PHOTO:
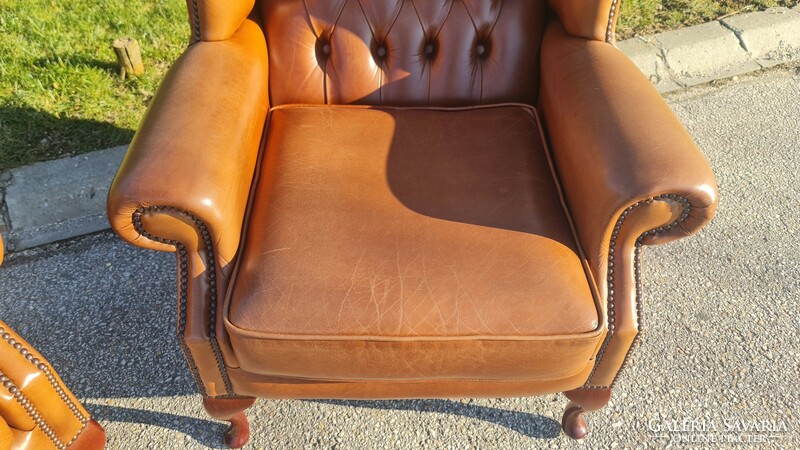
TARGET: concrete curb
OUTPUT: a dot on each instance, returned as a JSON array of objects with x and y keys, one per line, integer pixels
[
  {"x": 59, "y": 199},
  {"x": 715, "y": 50},
  {"x": 65, "y": 198}
]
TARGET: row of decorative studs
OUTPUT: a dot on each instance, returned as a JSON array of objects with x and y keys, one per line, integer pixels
[
  {"x": 40, "y": 365},
  {"x": 33, "y": 413},
  {"x": 196, "y": 13},
  {"x": 612, "y": 249},
  {"x": 637, "y": 270},
  {"x": 182, "y": 304},
  {"x": 610, "y": 27}
]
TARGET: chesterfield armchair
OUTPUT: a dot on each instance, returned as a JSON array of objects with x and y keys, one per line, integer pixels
[
  {"x": 407, "y": 199},
  {"x": 37, "y": 410}
]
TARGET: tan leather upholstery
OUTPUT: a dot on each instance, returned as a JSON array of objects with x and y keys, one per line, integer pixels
[
  {"x": 636, "y": 150},
  {"x": 588, "y": 19},
  {"x": 37, "y": 411},
  {"x": 6, "y": 436},
  {"x": 247, "y": 383},
  {"x": 404, "y": 249},
  {"x": 216, "y": 20},
  {"x": 419, "y": 230},
  {"x": 216, "y": 135},
  {"x": 401, "y": 52}
]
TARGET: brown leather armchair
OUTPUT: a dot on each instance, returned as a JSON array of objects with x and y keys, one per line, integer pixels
[
  {"x": 405, "y": 199},
  {"x": 37, "y": 411}
]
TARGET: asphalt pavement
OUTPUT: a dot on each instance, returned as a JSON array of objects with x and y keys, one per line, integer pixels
[{"x": 720, "y": 347}]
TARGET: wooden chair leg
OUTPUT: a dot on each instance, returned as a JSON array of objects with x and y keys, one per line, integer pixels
[
  {"x": 232, "y": 410},
  {"x": 581, "y": 401}
]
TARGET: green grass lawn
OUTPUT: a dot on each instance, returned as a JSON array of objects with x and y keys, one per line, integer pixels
[
  {"x": 60, "y": 93},
  {"x": 641, "y": 17}
]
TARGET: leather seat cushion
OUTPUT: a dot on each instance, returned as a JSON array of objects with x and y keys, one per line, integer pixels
[{"x": 409, "y": 243}]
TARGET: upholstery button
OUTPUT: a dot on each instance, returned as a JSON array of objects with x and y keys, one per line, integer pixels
[
  {"x": 323, "y": 48},
  {"x": 480, "y": 49},
  {"x": 381, "y": 51},
  {"x": 429, "y": 50}
]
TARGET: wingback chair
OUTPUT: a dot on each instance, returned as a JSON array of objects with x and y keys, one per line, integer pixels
[
  {"x": 407, "y": 199},
  {"x": 37, "y": 410}
]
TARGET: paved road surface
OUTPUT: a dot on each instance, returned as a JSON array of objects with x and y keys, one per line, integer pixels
[{"x": 721, "y": 312}]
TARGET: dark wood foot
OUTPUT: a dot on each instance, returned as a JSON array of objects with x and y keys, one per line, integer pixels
[
  {"x": 582, "y": 401},
  {"x": 232, "y": 410}
]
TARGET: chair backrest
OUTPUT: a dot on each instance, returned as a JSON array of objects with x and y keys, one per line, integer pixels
[{"x": 403, "y": 52}]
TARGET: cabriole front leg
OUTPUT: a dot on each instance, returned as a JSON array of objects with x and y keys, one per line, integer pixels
[
  {"x": 232, "y": 410},
  {"x": 582, "y": 401}
]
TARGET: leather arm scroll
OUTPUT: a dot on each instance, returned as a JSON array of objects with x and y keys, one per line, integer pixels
[
  {"x": 184, "y": 183},
  {"x": 192, "y": 148},
  {"x": 616, "y": 143},
  {"x": 630, "y": 172}
]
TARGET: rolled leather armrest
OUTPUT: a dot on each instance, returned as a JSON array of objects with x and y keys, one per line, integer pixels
[
  {"x": 192, "y": 159},
  {"x": 618, "y": 148}
]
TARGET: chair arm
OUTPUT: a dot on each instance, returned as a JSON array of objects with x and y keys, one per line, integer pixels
[
  {"x": 190, "y": 165},
  {"x": 631, "y": 175},
  {"x": 616, "y": 143}
]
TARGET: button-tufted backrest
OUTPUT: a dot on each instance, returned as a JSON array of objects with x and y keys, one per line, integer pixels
[{"x": 403, "y": 52}]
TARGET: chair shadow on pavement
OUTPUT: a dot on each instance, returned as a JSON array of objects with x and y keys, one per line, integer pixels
[
  {"x": 526, "y": 424},
  {"x": 29, "y": 135},
  {"x": 205, "y": 432}
]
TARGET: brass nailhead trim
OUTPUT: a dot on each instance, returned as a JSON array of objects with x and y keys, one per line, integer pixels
[
  {"x": 77, "y": 435},
  {"x": 31, "y": 410},
  {"x": 637, "y": 269},
  {"x": 687, "y": 208},
  {"x": 611, "y": 13},
  {"x": 196, "y": 12},
  {"x": 36, "y": 362},
  {"x": 211, "y": 274}
]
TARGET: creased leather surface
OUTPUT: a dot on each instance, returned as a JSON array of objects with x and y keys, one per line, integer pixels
[
  {"x": 615, "y": 143},
  {"x": 403, "y": 52},
  {"x": 392, "y": 224},
  {"x": 436, "y": 359}
]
